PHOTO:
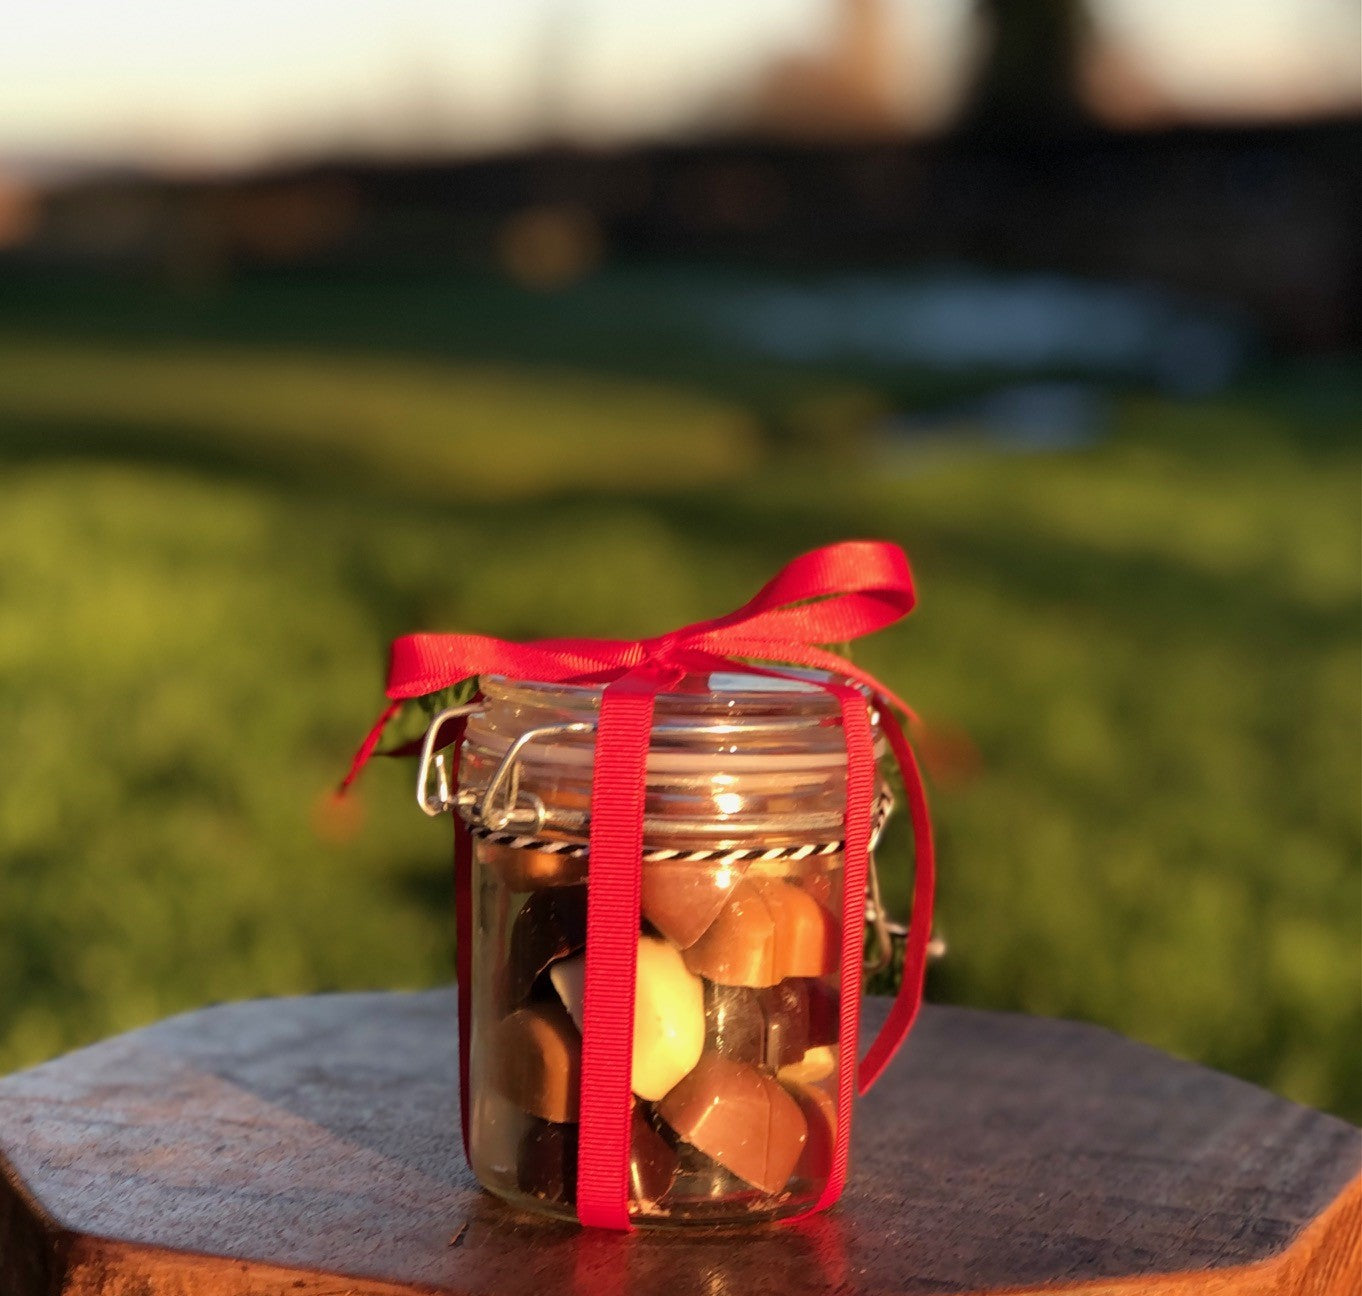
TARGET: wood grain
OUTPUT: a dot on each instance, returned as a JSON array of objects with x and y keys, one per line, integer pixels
[{"x": 309, "y": 1147}]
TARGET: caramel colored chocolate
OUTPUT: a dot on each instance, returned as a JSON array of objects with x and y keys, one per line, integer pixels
[
  {"x": 551, "y": 925},
  {"x": 817, "y": 1064},
  {"x": 739, "y": 946},
  {"x": 527, "y": 870},
  {"x": 740, "y": 1117},
  {"x": 768, "y": 930},
  {"x": 820, "y": 1114},
  {"x": 767, "y": 1026},
  {"x": 806, "y": 937},
  {"x": 669, "y": 1013},
  {"x": 537, "y": 1060}
]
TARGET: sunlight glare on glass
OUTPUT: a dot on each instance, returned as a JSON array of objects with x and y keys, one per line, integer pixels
[{"x": 729, "y": 803}]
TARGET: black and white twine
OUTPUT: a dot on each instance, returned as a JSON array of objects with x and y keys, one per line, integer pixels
[{"x": 579, "y": 850}]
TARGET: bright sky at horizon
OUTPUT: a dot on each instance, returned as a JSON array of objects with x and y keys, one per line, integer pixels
[{"x": 220, "y": 82}]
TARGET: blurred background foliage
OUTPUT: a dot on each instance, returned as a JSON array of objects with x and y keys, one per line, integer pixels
[{"x": 229, "y": 476}]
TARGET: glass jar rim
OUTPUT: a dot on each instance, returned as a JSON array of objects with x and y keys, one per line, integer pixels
[
  {"x": 742, "y": 720},
  {"x": 790, "y": 690}
]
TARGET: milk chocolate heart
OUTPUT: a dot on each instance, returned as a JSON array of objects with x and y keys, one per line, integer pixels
[{"x": 740, "y": 1117}]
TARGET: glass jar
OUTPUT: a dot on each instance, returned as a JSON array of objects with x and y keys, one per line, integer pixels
[{"x": 740, "y": 933}]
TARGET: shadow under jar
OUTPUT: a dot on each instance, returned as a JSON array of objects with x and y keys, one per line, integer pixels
[{"x": 740, "y": 931}]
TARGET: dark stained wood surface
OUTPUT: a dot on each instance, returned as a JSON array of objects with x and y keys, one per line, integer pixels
[{"x": 309, "y": 1147}]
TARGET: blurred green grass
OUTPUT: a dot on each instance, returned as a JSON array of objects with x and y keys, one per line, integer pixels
[{"x": 1143, "y": 655}]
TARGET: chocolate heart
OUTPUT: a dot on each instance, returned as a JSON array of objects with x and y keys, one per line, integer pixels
[
  {"x": 551, "y": 925},
  {"x": 669, "y": 1013},
  {"x": 537, "y": 1061},
  {"x": 740, "y": 1117},
  {"x": 681, "y": 898},
  {"x": 770, "y": 929}
]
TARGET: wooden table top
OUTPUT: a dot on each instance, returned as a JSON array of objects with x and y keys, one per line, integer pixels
[{"x": 309, "y": 1147}]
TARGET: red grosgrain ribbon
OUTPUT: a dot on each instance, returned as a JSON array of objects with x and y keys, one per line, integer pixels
[
  {"x": 612, "y": 904},
  {"x": 830, "y": 595},
  {"x": 860, "y": 744}
]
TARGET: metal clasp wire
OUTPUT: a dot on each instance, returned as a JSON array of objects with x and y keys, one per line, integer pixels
[
  {"x": 874, "y": 907},
  {"x": 444, "y": 794},
  {"x": 886, "y": 929},
  {"x": 509, "y": 772}
]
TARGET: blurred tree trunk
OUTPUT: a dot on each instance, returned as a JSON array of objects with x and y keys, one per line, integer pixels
[{"x": 1029, "y": 76}]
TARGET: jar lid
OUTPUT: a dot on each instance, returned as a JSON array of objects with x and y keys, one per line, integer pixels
[
  {"x": 706, "y": 722},
  {"x": 734, "y": 756}
]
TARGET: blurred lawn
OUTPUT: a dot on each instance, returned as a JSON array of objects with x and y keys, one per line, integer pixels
[{"x": 1141, "y": 659}]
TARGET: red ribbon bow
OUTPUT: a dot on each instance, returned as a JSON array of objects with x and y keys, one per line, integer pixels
[{"x": 830, "y": 595}]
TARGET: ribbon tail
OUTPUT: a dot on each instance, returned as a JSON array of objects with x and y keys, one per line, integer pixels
[
  {"x": 366, "y": 748},
  {"x": 903, "y": 1012}
]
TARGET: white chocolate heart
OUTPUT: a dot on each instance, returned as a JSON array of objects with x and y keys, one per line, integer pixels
[{"x": 669, "y": 1013}]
